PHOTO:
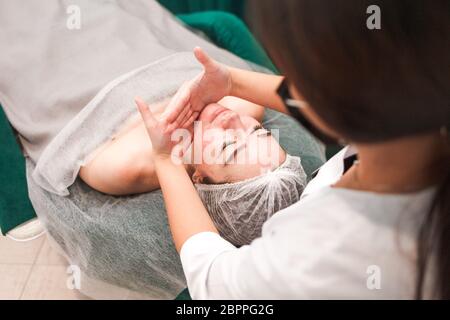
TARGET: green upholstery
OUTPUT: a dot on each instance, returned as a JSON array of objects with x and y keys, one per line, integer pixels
[
  {"x": 15, "y": 207},
  {"x": 190, "y": 6},
  {"x": 228, "y": 31}
]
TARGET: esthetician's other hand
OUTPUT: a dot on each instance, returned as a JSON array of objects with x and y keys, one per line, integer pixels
[
  {"x": 210, "y": 86},
  {"x": 156, "y": 129}
]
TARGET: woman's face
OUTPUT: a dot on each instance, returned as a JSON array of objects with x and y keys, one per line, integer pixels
[{"x": 238, "y": 145}]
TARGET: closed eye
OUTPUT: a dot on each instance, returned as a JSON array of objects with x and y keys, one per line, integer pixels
[
  {"x": 256, "y": 128},
  {"x": 234, "y": 153},
  {"x": 260, "y": 127},
  {"x": 226, "y": 144}
]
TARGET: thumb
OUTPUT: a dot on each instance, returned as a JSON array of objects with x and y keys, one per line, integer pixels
[
  {"x": 145, "y": 112},
  {"x": 202, "y": 57}
]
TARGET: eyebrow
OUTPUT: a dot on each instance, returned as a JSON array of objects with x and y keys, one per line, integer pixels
[{"x": 242, "y": 146}]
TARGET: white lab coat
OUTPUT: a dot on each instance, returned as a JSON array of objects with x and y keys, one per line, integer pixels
[{"x": 332, "y": 244}]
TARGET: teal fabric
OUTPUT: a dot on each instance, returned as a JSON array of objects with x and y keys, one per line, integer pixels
[
  {"x": 15, "y": 207},
  {"x": 184, "y": 295},
  {"x": 190, "y": 6},
  {"x": 229, "y": 32}
]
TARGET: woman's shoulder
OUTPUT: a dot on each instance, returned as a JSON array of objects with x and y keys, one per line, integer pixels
[
  {"x": 333, "y": 220},
  {"x": 330, "y": 206},
  {"x": 322, "y": 208},
  {"x": 335, "y": 240}
]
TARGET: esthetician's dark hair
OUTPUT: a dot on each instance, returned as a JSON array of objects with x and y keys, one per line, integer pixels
[{"x": 372, "y": 85}]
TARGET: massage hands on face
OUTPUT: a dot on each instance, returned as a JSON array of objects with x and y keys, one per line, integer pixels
[
  {"x": 239, "y": 197},
  {"x": 209, "y": 87},
  {"x": 181, "y": 198},
  {"x": 122, "y": 166},
  {"x": 242, "y": 175},
  {"x": 213, "y": 84}
]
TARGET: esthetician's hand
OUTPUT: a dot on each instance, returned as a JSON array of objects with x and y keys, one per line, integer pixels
[
  {"x": 210, "y": 86},
  {"x": 157, "y": 130}
]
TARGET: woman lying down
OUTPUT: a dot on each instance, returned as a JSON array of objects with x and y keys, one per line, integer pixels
[
  {"x": 76, "y": 102},
  {"x": 244, "y": 178}
]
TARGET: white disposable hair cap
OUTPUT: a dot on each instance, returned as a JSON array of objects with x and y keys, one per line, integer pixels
[{"x": 240, "y": 209}]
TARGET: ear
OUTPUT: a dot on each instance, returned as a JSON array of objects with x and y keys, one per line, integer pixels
[{"x": 197, "y": 177}]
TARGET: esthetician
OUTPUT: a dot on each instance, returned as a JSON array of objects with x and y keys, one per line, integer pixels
[{"x": 375, "y": 221}]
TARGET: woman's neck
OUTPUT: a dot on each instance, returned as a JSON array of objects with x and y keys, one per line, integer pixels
[{"x": 399, "y": 166}]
